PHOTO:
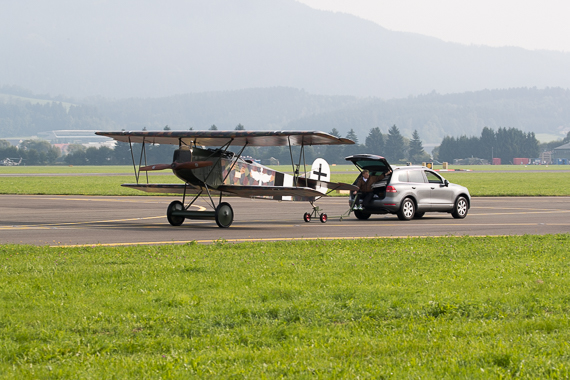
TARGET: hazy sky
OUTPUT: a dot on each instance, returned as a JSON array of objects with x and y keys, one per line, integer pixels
[{"x": 530, "y": 24}]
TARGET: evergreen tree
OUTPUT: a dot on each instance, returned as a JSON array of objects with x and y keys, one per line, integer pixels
[
  {"x": 416, "y": 152},
  {"x": 335, "y": 132},
  {"x": 166, "y": 128},
  {"x": 375, "y": 141},
  {"x": 240, "y": 127},
  {"x": 122, "y": 154},
  {"x": 352, "y": 136},
  {"x": 487, "y": 144},
  {"x": 395, "y": 147},
  {"x": 213, "y": 127}
]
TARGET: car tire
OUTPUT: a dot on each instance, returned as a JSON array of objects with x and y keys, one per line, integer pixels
[
  {"x": 460, "y": 208},
  {"x": 361, "y": 214},
  {"x": 419, "y": 215},
  {"x": 407, "y": 209}
]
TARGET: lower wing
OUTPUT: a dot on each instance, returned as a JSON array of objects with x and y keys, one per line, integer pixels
[{"x": 165, "y": 188}]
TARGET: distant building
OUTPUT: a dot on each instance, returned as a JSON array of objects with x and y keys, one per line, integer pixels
[{"x": 561, "y": 153}]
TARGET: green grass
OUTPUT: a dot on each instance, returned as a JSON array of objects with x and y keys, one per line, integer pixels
[
  {"x": 464, "y": 307},
  {"x": 66, "y": 169},
  {"x": 93, "y": 185},
  {"x": 547, "y": 183},
  {"x": 502, "y": 184}
]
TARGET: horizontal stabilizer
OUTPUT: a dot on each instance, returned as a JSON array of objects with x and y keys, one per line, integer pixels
[
  {"x": 268, "y": 191},
  {"x": 331, "y": 186}
]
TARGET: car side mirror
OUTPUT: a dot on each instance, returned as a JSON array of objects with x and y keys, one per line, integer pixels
[{"x": 445, "y": 183}]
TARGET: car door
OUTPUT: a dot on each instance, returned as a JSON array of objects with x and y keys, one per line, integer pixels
[
  {"x": 420, "y": 188},
  {"x": 441, "y": 196}
]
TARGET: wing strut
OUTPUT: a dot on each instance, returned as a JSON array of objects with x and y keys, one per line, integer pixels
[{"x": 296, "y": 173}]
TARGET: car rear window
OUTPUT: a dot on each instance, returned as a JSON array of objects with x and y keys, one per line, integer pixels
[{"x": 416, "y": 176}]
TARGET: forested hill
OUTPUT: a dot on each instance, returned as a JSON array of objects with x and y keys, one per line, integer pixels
[{"x": 543, "y": 111}]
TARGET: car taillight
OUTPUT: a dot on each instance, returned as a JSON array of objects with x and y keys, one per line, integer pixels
[{"x": 390, "y": 189}]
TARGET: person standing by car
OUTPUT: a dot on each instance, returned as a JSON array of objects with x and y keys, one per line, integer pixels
[{"x": 365, "y": 188}]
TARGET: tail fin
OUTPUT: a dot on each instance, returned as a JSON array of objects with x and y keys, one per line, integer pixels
[{"x": 320, "y": 171}]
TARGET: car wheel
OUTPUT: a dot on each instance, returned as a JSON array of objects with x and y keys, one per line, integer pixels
[
  {"x": 407, "y": 209},
  {"x": 361, "y": 214},
  {"x": 461, "y": 208},
  {"x": 418, "y": 215}
]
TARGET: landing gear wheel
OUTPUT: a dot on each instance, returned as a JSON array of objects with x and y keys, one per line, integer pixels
[
  {"x": 361, "y": 214},
  {"x": 324, "y": 218},
  {"x": 407, "y": 209},
  {"x": 461, "y": 208},
  {"x": 224, "y": 215},
  {"x": 307, "y": 217},
  {"x": 172, "y": 219}
]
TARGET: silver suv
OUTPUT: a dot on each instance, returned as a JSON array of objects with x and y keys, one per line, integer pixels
[{"x": 410, "y": 191}]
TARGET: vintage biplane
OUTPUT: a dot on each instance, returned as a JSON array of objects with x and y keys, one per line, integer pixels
[{"x": 218, "y": 172}]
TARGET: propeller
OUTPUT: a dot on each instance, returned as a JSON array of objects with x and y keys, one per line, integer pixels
[{"x": 178, "y": 165}]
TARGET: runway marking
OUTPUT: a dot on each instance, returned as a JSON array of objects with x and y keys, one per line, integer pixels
[
  {"x": 52, "y": 225},
  {"x": 523, "y": 213}
]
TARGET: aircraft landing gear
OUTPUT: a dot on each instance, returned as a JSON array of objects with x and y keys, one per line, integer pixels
[
  {"x": 177, "y": 213},
  {"x": 315, "y": 213}
]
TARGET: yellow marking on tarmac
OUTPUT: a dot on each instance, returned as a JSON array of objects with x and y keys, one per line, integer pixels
[
  {"x": 49, "y": 226},
  {"x": 524, "y": 213},
  {"x": 52, "y": 225}
]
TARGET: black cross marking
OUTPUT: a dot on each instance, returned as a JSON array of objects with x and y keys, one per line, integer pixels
[{"x": 320, "y": 172}]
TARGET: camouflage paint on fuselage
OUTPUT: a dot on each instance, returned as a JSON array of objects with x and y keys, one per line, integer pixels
[{"x": 228, "y": 170}]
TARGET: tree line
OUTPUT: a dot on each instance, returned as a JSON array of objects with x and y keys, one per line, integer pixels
[
  {"x": 505, "y": 143},
  {"x": 31, "y": 152},
  {"x": 392, "y": 145}
]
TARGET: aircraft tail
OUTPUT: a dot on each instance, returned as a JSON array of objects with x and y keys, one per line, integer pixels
[{"x": 320, "y": 171}]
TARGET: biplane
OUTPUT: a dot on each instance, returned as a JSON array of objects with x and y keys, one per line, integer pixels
[{"x": 218, "y": 172}]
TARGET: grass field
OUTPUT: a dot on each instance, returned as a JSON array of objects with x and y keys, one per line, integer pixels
[
  {"x": 547, "y": 183},
  {"x": 464, "y": 307},
  {"x": 128, "y": 169}
]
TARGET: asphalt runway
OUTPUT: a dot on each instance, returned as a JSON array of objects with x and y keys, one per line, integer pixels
[{"x": 80, "y": 220}]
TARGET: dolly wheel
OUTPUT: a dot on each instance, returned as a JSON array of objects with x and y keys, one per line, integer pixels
[
  {"x": 324, "y": 218},
  {"x": 307, "y": 217}
]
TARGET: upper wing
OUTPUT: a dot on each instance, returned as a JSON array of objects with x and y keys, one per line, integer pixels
[{"x": 219, "y": 138}]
